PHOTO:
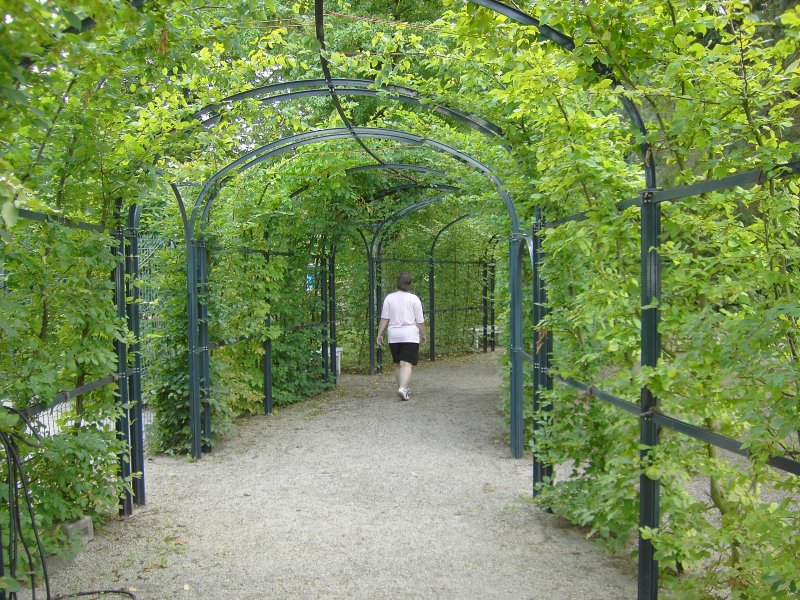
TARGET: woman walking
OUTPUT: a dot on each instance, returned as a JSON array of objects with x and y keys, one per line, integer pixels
[{"x": 402, "y": 314}]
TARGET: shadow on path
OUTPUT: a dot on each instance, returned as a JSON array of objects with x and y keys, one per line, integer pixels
[{"x": 354, "y": 495}]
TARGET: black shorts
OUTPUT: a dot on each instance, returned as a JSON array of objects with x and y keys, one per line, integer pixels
[{"x": 405, "y": 351}]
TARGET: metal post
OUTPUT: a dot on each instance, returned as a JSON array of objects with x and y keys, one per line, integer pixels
[
  {"x": 492, "y": 319},
  {"x": 192, "y": 347},
  {"x": 371, "y": 309},
  {"x": 542, "y": 380},
  {"x": 267, "y": 363},
  {"x": 515, "y": 345},
  {"x": 326, "y": 370},
  {"x": 378, "y": 301},
  {"x": 649, "y": 489},
  {"x": 135, "y": 380},
  {"x": 203, "y": 355},
  {"x": 431, "y": 309},
  {"x": 485, "y": 306},
  {"x": 123, "y": 420},
  {"x": 332, "y": 311}
]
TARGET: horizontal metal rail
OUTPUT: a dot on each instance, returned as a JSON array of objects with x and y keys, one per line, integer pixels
[
  {"x": 428, "y": 261},
  {"x": 50, "y": 218},
  {"x": 62, "y": 397},
  {"x": 781, "y": 463},
  {"x": 753, "y": 177},
  {"x": 464, "y": 309},
  {"x": 525, "y": 355},
  {"x": 593, "y": 392},
  {"x": 258, "y": 338}
]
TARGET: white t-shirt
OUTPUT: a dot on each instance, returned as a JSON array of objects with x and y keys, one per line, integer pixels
[{"x": 404, "y": 311}]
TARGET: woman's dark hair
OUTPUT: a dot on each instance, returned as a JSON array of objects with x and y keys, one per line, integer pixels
[{"x": 404, "y": 281}]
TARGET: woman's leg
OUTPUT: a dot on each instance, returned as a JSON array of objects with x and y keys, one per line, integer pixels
[{"x": 403, "y": 374}]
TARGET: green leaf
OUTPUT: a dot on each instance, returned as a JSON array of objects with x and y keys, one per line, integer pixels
[
  {"x": 9, "y": 584},
  {"x": 9, "y": 213},
  {"x": 73, "y": 19}
]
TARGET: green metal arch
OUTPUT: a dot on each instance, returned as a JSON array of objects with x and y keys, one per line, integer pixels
[
  {"x": 214, "y": 183},
  {"x": 306, "y": 88}
]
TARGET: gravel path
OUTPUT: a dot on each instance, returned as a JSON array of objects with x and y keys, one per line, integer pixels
[{"x": 354, "y": 495}]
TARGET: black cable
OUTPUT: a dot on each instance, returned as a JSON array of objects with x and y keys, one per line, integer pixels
[
  {"x": 97, "y": 592},
  {"x": 16, "y": 477}
]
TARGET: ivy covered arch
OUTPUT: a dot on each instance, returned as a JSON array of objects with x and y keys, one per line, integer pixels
[
  {"x": 713, "y": 102},
  {"x": 197, "y": 270}
]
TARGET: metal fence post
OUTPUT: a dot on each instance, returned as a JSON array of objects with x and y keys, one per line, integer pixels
[
  {"x": 378, "y": 307},
  {"x": 542, "y": 348},
  {"x": 485, "y": 277},
  {"x": 515, "y": 345},
  {"x": 492, "y": 316},
  {"x": 323, "y": 288},
  {"x": 431, "y": 308},
  {"x": 649, "y": 489},
  {"x": 332, "y": 311},
  {"x": 371, "y": 309},
  {"x": 123, "y": 423},
  {"x": 203, "y": 349},
  {"x": 268, "y": 370},
  {"x": 135, "y": 380},
  {"x": 192, "y": 347}
]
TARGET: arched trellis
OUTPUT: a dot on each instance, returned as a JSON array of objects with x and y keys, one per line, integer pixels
[
  {"x": 649, "y": 505},
  {"x": 651, "y": 197},
  {"x": 394, "y": 167},
  {"x": 650, "y": 287},
  {"x": 649, "y": 204},
  {"x": 311, "y": 88},
  {"x": 199, "y": 411},
  {"x": 650, "y": 296},
  {"x": 374, "y": 249}
]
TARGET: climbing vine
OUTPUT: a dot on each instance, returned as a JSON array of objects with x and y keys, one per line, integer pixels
[{"x": 105, "y": 104}]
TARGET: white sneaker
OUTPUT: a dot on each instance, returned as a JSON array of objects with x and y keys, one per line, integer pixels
[{"x": 404, "y": 393}]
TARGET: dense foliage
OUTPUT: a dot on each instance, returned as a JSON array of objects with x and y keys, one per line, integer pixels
[{"x": 99, "y": 104}]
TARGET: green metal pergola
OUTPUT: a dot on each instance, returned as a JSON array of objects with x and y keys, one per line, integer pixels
[{"x": 524, "y": 248}]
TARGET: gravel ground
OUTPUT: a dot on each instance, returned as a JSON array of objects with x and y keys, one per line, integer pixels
[{"x": 354, "y": 495}]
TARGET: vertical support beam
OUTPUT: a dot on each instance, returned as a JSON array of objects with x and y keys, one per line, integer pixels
[
  {"x": 203, "y": 349},
  {"x": 492, "y": 316},
  {"x": 135, "y": 380},
  {"x": 431, "y": 308},
  {"x": 323, "y": 288},
  {"x": 378, "y": 303},
  {"x": 485, "y": 278},
  {"x": 371, "y": 331},
  {"x": 649, "y": 490},
  {"x": 192, "y": 347},
  {"x": 515, "y": 345},
  {"x": 542, "y": 381},
  {"x": 267, "y": 364},
  {"x": 332, "y": 310},
  {"x": 123, "y": 423}
]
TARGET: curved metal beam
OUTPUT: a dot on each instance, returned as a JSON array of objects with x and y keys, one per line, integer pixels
[
  {"x": 373, "y": 166},
  {"x": 445, "y": 228},
  {"x": 523, "y": 18},
  {"x": 401, "y": 214},
  {"x": 568, "y": 44},
  {"x": 411, "y": 186},
  {"x": 264, "y": 153},
  {"x": 352, "y": 87},
  {"x": 396, "y": 167}
]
